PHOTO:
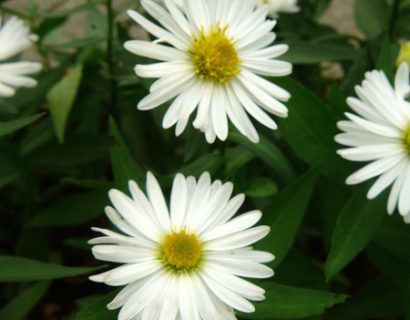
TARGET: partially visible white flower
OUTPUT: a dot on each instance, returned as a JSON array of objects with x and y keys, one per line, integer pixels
[
  {"x": 177, "y": 2},
  {"x": 185, "y": 262},
  {"x": 15, "y": 37},
  {"x": 277, "y": 6},
  {"x": 213, "y": 57},
  {"x": 379, "y": 133}
]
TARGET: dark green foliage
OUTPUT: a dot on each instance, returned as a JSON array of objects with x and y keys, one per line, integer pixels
[{"x": 66, "y": 142}]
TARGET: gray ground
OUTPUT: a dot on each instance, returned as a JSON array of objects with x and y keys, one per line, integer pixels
[{"x": 339, "y": 15}]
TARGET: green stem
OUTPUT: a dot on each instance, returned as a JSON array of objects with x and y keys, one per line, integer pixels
[{"x": 110, "y": 54}]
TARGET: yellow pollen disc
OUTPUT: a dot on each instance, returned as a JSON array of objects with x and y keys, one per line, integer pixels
[
  {"x": 407, "y": 140},
  {"x": 181, "y": 251},
  {"x": 214, "y": 55}
]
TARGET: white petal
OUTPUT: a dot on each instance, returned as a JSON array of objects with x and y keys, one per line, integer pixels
[
  {"x": 157, "y": 200},
  {"x": 404, "y": 200},
  {"x": 179, "y": 201},
  {"x": 154, "y": 51},
  {"x": 238, "y": 240},
  {"x": 231, "y": 298},
  {"x": 138, "y": 220},
  {"x": 401, "y": 81},
  {"x": 386, "y": 179},
  {"x": 240, "y": 223},
  {"x": 374, "y": 169}
]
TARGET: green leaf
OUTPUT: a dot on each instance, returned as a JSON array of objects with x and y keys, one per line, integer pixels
[
  {"x": 286, "y": 302},
  {"x": 20, "y": 306},
  {"x": 123, "y": 163},
  {"x": 48, "y": 25},
  {"x": 61, "y": 99},
  {"x": 310, "y": 130},
  {"x": 394, "y": 237},
  {"x": 386, "y": 60},
  {"x": 12, "y": 126},
  {"x": 355, "y": 227},
  {"x": 269, "y": 153},
  {"x": 95, "y": 308},
  {"x": 356, "y": 73},
  {"x": 372, "y": 16},
  {"x": 72, "y": 210},
  {"x": 236, "y": 158},
  {"x": 261, "y": 187},
  {"x": 311, "y": 53},
  {"x": 210, "y": 162},
  {"x": 377, "y": 300},
  {"x": 294, "y": 268},
  {"x": 285, "y": 214},
  {"x": 394, "y": 268},
  {"x": 8, "y": 169},
  {"x": 79, "y": 150},
  {"x": 16, "y": 269}
]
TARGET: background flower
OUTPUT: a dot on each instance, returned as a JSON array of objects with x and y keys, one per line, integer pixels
[
  {"x": 15, "y": 37},
  {"x": 183, "y": 263},
  {"x": 380, "y": 133},
  {"x": 277, "y": 6}
]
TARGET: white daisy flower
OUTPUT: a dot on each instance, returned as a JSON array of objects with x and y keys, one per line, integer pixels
[
  {"x": 276, "y": 6},
  {"x": 15, "y": 37},
  {"x": 380, "y": 132},
  {"x": 214, "y": 54},
  {"x": 185, "y": 263}
]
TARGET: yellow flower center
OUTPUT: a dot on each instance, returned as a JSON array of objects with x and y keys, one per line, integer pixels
[
  {"x": 214, "y": 55},
  {"x": 181, "y": 252},
  {"x": 407, "y": 140}
]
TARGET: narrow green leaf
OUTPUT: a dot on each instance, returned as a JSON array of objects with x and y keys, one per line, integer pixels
[
  {"x": 355, "y": 227},
  {"x": 12, "y": 126},
  {"x": 386, "y": 60},
  {"x": 286, "y": 302},
  {"x": 310, "y": 129},
  {"x": 16, "y": 269},
  {"x": 123, "y": 163},
  {"x": 356, "y": 73},
  {"x": 72, "y": 210},
  {"x": 311, "y": 53},
  {"x": 285, "y": 214},
  {"x": 372, "y": 16},
  {"x": 269, "y": 153},
  {"x": 20, "y": 306},
  {"x": 61, "y": 99},
  {"x": 261, "y": 187}
]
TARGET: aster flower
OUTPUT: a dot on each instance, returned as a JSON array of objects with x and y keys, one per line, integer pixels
[
  {"x": 213, "y": 56},
  {"x": 15, "y": 37},
  {"x": 276, "y": 6},
  {"x": 379, "y": 132},
  {"x": 184, "y": 263}
]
